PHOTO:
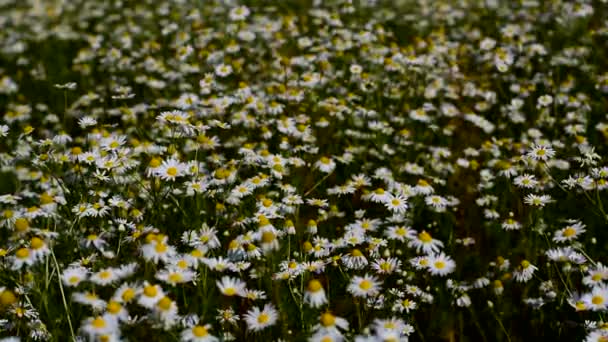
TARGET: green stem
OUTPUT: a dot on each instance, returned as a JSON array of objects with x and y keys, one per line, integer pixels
[{"x": 65, "y": 302}]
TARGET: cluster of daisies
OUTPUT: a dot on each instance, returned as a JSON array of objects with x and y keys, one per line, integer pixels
[{"x": 305, "y": 170}]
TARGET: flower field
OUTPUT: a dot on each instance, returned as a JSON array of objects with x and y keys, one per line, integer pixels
[{"x": 303, "y": 170}]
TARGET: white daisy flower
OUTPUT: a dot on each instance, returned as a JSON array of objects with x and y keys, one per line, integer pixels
[
  {"x": 325, "y": 165},
  {"x": 260, "y": 319},
  {"x": 73, "y": 276},
  {"x": 229, "y": 286},
  {"x": 198, "y": 333},
  {"x": 524, "y": 272},
  {"x": 541, "y": 152},
  {"x": 315, "y": 294},
  {"x": 440, "y": 264},
  {"x": 170, "y": 169},
  {"x": 150, "y": 295},
  {"x": 396, "y": 203},
  {"x": 364, "y": 286}
]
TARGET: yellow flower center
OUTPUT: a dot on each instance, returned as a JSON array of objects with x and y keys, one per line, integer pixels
[
  {"x": 597, "y": 300},
  {"x": 114, "y": 307},
  {"x": 155, "y": 162},
  {"x": 580, "y": 306},
  {"x": 160, "y": 248},
  {"x": 314, "y": 286},
  {"x": 199, "y": 331},
  {"x": 268, "y": 237},
  {"x": 175, "y": 277},
  {"x": 36, "y": 243},
  {"x": 105, "y": 274},
  {"x": 422, "y": 182},
  {"x": 327, "y": 319},
  {"x": 164, "y": 304},
  {"x": 230, "y": 291},
  {"x": 150, "y": 291},
  {"x": 439, "y": 264},
  {"x": 263, "y": 318},
  {"x": 365, "y": 285},
  {"x": 172, "y": 171},
  {"x": 569, "y": 232},
  {"x": 425, "y": 237},
  {"x": 46, "y": 198},
  {"x": 22, "y": 253},
  {"x": 129, "y": 294},
  {"x": 21, "y": 224},
  {"x": 98, "y": 323},
  {"x": 7, "y": 298}
]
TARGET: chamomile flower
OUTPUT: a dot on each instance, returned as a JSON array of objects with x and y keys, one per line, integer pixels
[
  {"x": 98, "y": 326},
  {"x": 525, "y": 181},
  {"x": 170, "y": 169},
  {"x": 127, "y": 293},
  {"x": 537, "y": 200},
  {"x": 436, "y": 201},
  {"x": 166, "y": 310},
  {"x": 330, "y": 323},
  {"x": 364, "y": 286},
  {"x": 400, "y": 233},
  {"x": 229, "y": 286},
  {"x": 596, "y": 275},
  {"x": 597, "y": 300},
  {"x": 440, "y": 264},
  {"x": 117, "y": 311},
  {"x": 158, "y": 250},
  {"x": 258, "y": 320},
  {"x": 424, "y": 242},
  {"x": 325, "y": 165},
  {"x": 174, "y": 276},
  {"x": 73, "y": 276},
  {"x": 39, "y": 248},
  {"x": 386, "y": 266},
  {"x": 150, "y": 295},
  {"x": 510, "y": 224},
  {"x": 541, "y": 152},
  {"x": 524, "y": 272},
  {"x": 396, "y": 203},
  {"x": 89, "y": 298},
  {"x": 239, "y": 13},
  {"x": 198, "y": 333},
  {"x": 315, "y": 294},
  {"x": 569, "y": 233},
  {"x": 104, "y": 276},
  {"x": 23, "y": 257}
]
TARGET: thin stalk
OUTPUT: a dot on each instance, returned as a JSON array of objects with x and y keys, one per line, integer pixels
[{"x": 65, "y": 302}]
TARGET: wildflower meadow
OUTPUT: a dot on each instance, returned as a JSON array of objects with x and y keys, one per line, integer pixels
[{"x": 303, "y": 170}]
